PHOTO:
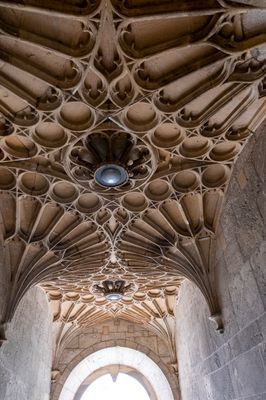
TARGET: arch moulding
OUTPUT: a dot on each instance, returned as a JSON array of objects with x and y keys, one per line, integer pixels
[
  {"x": 122, "y": 356},
  {"x": 85, "y": 354}
]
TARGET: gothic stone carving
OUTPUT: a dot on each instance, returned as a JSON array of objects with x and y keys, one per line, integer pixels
[{"x": 171, "y": 90}]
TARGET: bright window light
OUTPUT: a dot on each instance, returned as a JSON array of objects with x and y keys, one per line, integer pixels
[{"x": 125, "y": 387}]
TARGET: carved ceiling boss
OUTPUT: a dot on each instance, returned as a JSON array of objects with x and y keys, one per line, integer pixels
[{"x": 120, "y": 124}]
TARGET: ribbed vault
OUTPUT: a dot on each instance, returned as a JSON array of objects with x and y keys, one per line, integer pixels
[{"x": 170, "y": 90}]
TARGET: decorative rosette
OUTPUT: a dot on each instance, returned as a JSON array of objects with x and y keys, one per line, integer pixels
[{"x": 110, "y": 161}]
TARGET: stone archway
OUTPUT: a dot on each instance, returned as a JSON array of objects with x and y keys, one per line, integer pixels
[
  {"x": 114, "y": 371},
  {"x": 121, "y": 356}
]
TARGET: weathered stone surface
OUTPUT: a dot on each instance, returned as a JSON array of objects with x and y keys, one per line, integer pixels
[
  {"x": 231, "y": 365},
  {"x": 25, "y": 360},
  {"x": 248, "y": 374},
  {"x": 168, "y": 92},
  {"x": 169, "y": 103}
]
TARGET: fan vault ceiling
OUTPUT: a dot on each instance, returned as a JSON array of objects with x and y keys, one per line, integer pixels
[{"x": 171, "y": 91}]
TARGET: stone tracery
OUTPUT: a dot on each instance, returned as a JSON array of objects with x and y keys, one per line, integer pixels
[{"x": 178, "y": 89}]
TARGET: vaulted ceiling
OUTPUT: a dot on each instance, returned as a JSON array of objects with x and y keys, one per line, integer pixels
[{"x": 169, "y": 90}]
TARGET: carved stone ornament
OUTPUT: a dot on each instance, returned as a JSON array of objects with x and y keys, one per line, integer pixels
[
  {"x": 55, "y": 374},
  {"x": 113, "y": 290},
  {"x": 3, "y": 338},
  {"x": 98, "y": 152},
  {"x": 158, "y": 99}
]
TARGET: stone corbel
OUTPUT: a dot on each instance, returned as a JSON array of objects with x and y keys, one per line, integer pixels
[
  {"x": 174, "y": 366},
  {"x": 55, "y": 374},
  {"x": 218, "y": 320},
  {"x": 3, "y": 328}
]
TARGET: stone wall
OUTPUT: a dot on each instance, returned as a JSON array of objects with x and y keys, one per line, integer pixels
[
  {"x": 231, "y": 365},
  {"x": 25, "y": 360},
  {"x": 114, "y": 333},
  {"x": 5, "y": 287}
]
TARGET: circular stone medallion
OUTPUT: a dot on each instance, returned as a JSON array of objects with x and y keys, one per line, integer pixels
[{"x": 110, "y": 161}]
